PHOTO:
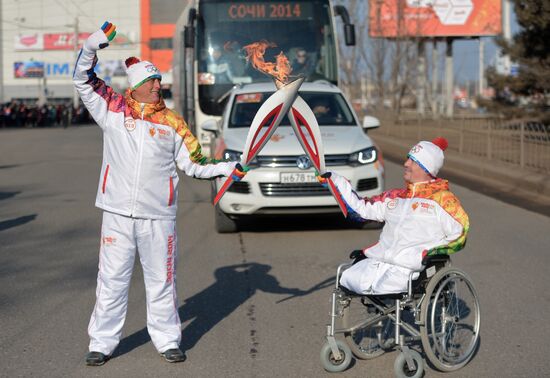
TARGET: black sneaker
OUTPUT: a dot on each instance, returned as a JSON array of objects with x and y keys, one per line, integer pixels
[
  {"x": 173, "y": 355},
  {"x": 96, "y": 359}
]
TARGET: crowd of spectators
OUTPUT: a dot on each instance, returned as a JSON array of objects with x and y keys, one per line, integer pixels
[{"x": 20, "y": 114}]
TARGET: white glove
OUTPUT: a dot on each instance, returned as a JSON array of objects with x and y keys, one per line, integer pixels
[{"x": 101, "y": 38}]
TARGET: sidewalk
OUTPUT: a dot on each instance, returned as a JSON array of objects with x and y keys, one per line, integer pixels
[{"x": 504, "y": 182}]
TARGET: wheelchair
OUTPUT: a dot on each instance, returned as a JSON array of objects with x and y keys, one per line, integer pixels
[{"x": 440, "y": 311}]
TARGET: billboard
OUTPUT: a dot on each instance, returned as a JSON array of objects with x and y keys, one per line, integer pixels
[{"x": 434, "y": 18}]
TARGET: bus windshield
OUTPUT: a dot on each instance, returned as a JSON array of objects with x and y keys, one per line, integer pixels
[
  {"x": 330, "y": 109},
  {"x": 302, "y": 30}
]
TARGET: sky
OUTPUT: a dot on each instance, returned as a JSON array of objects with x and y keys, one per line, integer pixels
[
  {"x": 466, "y": 54},
  {"x": 465, "y": 51}
]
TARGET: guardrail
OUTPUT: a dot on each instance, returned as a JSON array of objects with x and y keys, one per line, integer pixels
[{"x": 521, "y": 142}]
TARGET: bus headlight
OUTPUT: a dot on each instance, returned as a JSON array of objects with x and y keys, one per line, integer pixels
[{"x": 366, "y": 156}]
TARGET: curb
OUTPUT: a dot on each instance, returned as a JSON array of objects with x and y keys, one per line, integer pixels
[{"x": 508, "y": 183}]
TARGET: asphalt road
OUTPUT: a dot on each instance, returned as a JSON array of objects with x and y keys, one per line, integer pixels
[{"x": 253, "y": 304}]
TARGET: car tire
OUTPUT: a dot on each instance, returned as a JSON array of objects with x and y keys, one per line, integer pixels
[{"x": 224, "y": 224}]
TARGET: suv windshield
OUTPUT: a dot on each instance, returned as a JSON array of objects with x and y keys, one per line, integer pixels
[{"x": 330, "y": 109}]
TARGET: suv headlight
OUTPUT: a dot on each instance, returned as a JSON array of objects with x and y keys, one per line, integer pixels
[
  {"x": 232, "y": 155},
  {"x": 366, "y": 156}
]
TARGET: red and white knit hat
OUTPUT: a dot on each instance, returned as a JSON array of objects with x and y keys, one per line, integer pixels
[
  {"x": 429, "y": 155},
  {"x": 139, "y": 71}
]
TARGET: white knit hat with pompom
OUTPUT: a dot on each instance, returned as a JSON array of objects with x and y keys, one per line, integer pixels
[{"x": 429, "y": 155}]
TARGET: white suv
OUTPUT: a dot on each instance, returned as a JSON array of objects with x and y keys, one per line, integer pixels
[{"x": 282, "y": 179}]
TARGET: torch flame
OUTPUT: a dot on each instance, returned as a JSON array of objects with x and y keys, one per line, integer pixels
[{"x": 255, "y": 54}]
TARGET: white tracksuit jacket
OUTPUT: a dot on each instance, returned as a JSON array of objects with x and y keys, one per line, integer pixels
[
  {"x": 142, "y": 143},
  {"x": 423, "y": 219}
]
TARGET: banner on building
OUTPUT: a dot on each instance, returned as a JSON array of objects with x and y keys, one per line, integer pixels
[
  {"x": 106, "y": 69},
  {"x": 435, "y": 18},
  {"x": 61, "y": 41},
  {"x": 29, "y": 42},
  {"x": 28, "y": 69}
]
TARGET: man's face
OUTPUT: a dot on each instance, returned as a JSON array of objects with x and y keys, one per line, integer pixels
[
  {"x": 148, "y": 92},
  {"x": 414, "y": 173},
  {"x": 320, "y": 110}
]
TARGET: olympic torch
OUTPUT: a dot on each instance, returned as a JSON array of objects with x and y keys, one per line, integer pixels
[
  {"x": 264, "y": 124},
  {"x": 307, "y": 130}
]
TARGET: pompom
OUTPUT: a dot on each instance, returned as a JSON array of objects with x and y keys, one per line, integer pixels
[
  {"x": 441, "y": 143},
  {"x": 131, "y": 60}
]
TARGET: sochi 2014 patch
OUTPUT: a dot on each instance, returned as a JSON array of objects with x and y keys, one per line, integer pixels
[
  {"x": 392, "y": 204},
  {"x": 129, "y": 123}
]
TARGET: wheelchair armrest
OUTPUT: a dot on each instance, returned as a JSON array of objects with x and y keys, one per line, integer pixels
[{"x": 435, "y": 259}]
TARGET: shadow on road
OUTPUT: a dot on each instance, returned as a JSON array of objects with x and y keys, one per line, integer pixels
[
  {"x": 4, "y": 225},
  {"x": 317, "y": 222},
  {"x": 7, "y": 195},
  {"x": 234, "y": 285}
]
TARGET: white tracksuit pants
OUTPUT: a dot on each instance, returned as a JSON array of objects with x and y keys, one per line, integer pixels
[
  {"x": 371, "y": 276},
  {"x": 155, "y": 240}
]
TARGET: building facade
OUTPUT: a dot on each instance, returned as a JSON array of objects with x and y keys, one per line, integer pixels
[{"x": 38, "y": 48}]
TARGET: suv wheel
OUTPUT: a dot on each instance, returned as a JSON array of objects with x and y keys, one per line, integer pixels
[{"x": 224, "y": 224}]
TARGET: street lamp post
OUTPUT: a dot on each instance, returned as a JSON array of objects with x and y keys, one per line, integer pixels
[{"x": 75, "y": 48}]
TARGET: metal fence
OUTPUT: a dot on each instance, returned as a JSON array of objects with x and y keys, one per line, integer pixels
[{"x": 521, "y": 142}]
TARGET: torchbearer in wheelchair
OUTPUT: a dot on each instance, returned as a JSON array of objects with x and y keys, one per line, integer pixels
[
  {"x": 423, "y": 219},
  {"x": 424, "y": 223}
]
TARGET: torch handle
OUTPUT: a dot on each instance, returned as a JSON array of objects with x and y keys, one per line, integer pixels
[
  {"x": 225, "y": 186},
  {"x": 337, "y": 196}
]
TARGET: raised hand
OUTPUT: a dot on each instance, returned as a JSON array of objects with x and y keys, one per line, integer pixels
[{"x": 101, "y": 38}]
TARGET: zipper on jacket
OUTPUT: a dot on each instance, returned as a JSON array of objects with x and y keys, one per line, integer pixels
[
  {"x": 105, "y": 179},
  {"x": 171, "y": 196},
  {"x": 137, "y": 170}
]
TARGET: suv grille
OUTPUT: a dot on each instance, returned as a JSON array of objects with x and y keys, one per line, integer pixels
[
  {"x": 367, "y": 184},
  {"x": 239, "y": 187},
  {"x": 290, "y": 161},
  {"x": 293, "y": 190}
]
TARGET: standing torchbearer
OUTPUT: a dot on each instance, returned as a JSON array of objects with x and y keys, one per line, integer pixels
[{"x": 143, "y": 144}]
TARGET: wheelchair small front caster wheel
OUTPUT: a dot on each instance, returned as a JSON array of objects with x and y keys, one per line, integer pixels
[
  {"x": 330, "y": 363},
  {"x": 401, "y": 368}
]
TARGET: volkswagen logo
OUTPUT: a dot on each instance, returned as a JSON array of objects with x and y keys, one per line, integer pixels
[{"x": 303, "y": 162}]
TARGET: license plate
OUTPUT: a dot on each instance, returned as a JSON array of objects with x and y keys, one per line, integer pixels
[{"x": 297, "y": 178}]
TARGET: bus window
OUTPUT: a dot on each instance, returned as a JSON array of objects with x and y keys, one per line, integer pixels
[{"x": 302, "y": 30}]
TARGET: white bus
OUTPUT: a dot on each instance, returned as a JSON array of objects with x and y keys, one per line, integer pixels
[{"x": 209, "y": 60}]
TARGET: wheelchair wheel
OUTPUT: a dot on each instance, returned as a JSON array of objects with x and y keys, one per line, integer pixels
[
  {"x": 451, "y": 320},
  {"x": 401, "y": 368},
  {"x": 330, "y": 363},
  {"x": 370, "y": 341}
]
